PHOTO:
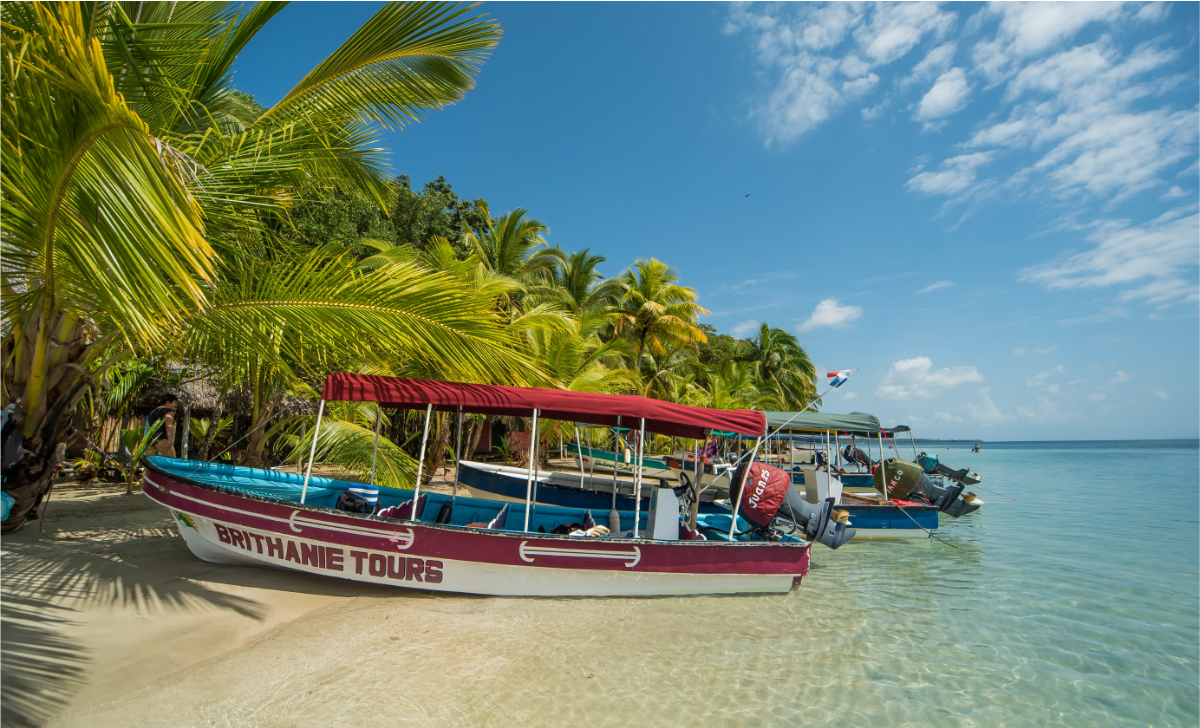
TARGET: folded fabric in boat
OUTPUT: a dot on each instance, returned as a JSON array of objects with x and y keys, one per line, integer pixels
[{"x": 594, "y": 531}]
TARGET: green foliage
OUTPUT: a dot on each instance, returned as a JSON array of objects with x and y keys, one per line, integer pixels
[
  {"x": 435, "y": 211},
  {"x": 406, "y": 218},
  {"x": 136, "y": 443},
  {"x": 717, "y": 348}
]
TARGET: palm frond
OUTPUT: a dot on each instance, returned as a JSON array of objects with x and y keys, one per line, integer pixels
[{"x": 407, "y": 59}]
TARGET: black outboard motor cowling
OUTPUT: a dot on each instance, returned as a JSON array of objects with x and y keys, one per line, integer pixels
[
  {"x": 817, "y": 520},
  {"x": 948, "y": 499},
  {"x": 856, "y": 456}
]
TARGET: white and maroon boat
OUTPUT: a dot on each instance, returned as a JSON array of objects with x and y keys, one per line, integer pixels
[{"x": 236, "y": 515}]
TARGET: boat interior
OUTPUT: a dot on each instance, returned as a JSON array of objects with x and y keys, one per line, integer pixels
[{"x": 442, "y": 508}]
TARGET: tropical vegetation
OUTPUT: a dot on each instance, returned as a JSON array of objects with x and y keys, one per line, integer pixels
[{"x": 159, "y": 224}]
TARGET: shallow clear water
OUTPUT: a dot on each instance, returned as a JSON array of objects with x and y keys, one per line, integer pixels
[{"x": 1075, "y": 604}]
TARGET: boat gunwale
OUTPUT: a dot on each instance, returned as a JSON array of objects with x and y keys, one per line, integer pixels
[{"x": 377, "y": 520}]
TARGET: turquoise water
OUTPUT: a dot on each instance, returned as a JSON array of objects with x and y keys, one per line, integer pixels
[{"x": 1075, "y": 604}]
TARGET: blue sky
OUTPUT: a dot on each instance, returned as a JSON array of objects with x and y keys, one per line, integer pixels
[{"x": 991, "y": 210}]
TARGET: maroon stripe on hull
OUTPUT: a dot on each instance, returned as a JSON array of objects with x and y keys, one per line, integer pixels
[{"x": 425, "y": 541}]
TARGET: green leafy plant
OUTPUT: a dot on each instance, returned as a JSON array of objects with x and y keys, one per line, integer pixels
[{"x": 136, "y": 442}]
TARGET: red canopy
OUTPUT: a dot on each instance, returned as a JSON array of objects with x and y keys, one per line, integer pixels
[{"x": 664, "y": 418}]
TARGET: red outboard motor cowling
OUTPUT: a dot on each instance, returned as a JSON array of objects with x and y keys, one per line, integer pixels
[{"x": 766, "y": 488}]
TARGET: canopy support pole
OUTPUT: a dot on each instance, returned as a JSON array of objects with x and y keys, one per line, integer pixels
[
  {"x": 694, "y": 510},
  {"x": 421, "y": 462},
  {"x": 882, "y": 469},
  {"x": 742, "y": 488},
  {"x": 529, "y": 477},
  {"x": 637, "y": 477},
  {"x": 312, "y": 452},
  {"x": 616, "y": 444},
  {"x": 457, "y": 452},
  {"x": 579, "y": 452},
  {"x": 375, "y": 452}
]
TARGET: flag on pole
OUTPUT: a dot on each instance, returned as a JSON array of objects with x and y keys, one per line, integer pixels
[{"x": 839, "y": 378}]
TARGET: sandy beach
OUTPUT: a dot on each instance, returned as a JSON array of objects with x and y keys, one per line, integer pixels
[{"x": 110, "y": 601}]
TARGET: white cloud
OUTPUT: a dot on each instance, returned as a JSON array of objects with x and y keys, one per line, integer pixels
[
  {"x": 948, "y": 95},
  {"x": 831, "y": 313},
  {"x": 1162, "y": 395},
  {"x": 872, "y": 113},
  {"x": 895, "y": 29},
  {"x": 1161, "y": 250},
  {"x": 817, "y": 58},
  {"x": 1121, "y": 378},
  {"x": 1108, "y": 314},
  {"x": 935, "y": 286},
  {"x": 916, "y": 379},
  {"x": 985, "y": 411},
  {"x": 1097, "y": 397},
  {"x": 745, "y": 328},
  {"x": 1083, "y": 111},
  {"x": 1033, "y": 27},
  {"x": 1046, "y": 411},
  {"x": 946, "y": 417},
  {"x": 1019, "y": 352},
  {"x": 935, "y": 63},
  {"x": 1039, "y": 380},
  {"x": 1045, "y": 351},
  {"x": 957, "y": 174},
  {"x": 850, "y": 395}
]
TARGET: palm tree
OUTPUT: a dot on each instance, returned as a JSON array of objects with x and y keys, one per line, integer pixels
[
  {"x": 782, "y": 361},
  {"x": 275, "y": 319},
  {"x": 666, "y": 376},
  {"x": 513, "y": 247},
  {"x": 655, "y": 310},
  {"x": 577, "y": 287},
  {"x": 129, "y": 166}
]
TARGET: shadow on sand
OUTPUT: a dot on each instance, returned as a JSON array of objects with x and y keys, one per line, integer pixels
[{"x": 46, "y": 581}]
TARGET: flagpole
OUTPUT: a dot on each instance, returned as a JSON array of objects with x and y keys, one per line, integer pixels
[{"x": 814, "y": 401}]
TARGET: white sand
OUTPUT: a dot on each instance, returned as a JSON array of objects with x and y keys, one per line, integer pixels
[{"x": 85, "y": 621}]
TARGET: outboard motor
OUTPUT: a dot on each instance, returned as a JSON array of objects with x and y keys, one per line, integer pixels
[
  {"x": 768, "y": 488},
  {"x": 856, "y": 456},
  {"x": 930, "y": 464},
  {"x": 905, "y": 480},
  {"x": 822, "y": 522}
]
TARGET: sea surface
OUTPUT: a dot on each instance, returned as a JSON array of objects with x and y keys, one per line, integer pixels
[{"x": 1070, "y": 599}]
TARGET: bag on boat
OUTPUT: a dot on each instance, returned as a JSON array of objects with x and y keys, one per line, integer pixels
[
  {"x": 765, "y": 490},
  {"x": 354, "y": 503}
]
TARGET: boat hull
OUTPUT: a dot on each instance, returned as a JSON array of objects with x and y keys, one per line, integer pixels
[
  {"x": 226, "y": 527},
  {"x": 891, "y": 521}
]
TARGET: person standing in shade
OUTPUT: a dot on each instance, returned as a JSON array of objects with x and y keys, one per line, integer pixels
[{"x": 162, "y": 421}]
